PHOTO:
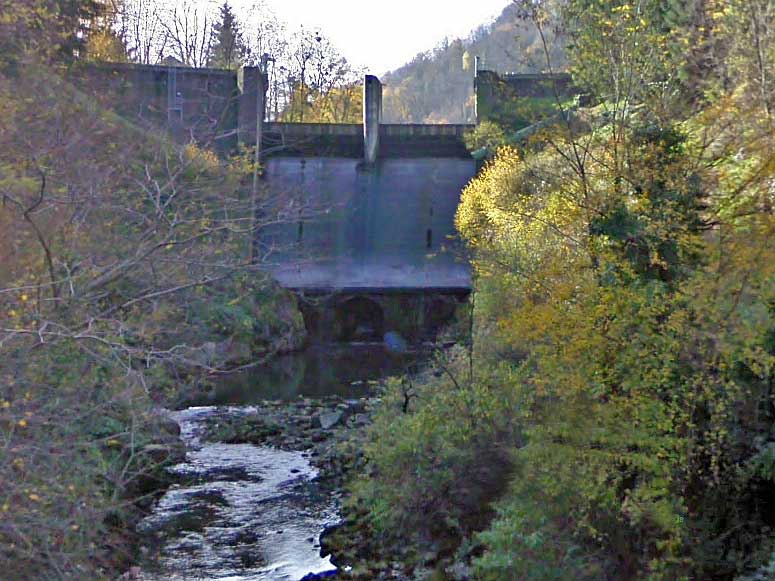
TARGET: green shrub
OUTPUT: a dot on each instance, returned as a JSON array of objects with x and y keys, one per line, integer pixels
[{"x": 437, "y": 453}]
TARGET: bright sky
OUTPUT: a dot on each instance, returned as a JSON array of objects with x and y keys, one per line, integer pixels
[{"x": 381, "y": 35}]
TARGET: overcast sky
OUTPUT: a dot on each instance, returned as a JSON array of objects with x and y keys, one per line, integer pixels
[{"x": 382, "y": 35}]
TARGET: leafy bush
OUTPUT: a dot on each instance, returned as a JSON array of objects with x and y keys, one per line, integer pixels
[
  {"x": 112, "y": 243},
  {"x": 437, "y": 454},
  {"x": 486, "y": 134}
]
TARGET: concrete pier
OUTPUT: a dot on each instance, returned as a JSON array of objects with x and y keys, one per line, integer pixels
[
  {"x": 372, "y": 117},
  {"x": 252, "y": 104}
]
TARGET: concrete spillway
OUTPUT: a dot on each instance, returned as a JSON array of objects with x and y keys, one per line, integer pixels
[{"x": 389, "y": 226}]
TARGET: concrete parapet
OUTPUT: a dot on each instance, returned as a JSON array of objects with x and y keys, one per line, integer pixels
[
  {"x": 313, "y": 140},
  {"x": 416, "y": 140},
  {"x": 424, "y": 130},
  {"x": 347, "y": 140},
  {"x": 309, "y": 129}
]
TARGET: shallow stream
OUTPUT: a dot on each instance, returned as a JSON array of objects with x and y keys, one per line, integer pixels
[
  {"x": 239, "y": 512},
  {"x": 250, "y": 513}
]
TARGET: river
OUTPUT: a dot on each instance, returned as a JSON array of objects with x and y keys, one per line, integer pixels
[{"x": 247, "y": 512}]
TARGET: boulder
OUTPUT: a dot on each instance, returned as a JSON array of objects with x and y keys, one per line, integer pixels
[
  {"x": 330, "y": 419},
  {"x": 161, "y": 453},
  {"x": 356, "y": 406},
  {"x": 169, "y": 426}
]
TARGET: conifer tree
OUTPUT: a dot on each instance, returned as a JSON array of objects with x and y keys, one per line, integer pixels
[{"x": 228, "y": 50}]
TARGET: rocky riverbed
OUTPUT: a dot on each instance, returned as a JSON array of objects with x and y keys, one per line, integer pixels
[
  {"x": 329, "y": 431},
  {"x": 258, "y": 487}
]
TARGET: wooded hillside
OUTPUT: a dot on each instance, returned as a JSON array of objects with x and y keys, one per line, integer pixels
[{"x": 437, "y": 86}]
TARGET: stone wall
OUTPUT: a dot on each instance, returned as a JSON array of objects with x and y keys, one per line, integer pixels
[{"x": 191, "y": 104}]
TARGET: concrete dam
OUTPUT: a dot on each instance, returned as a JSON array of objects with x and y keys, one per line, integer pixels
[
  {"x": 380, "y": 250},
  {"x": 373, "y": 248}
]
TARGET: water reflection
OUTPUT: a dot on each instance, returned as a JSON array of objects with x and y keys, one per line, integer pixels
[{"x": 347, "y": 370}]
